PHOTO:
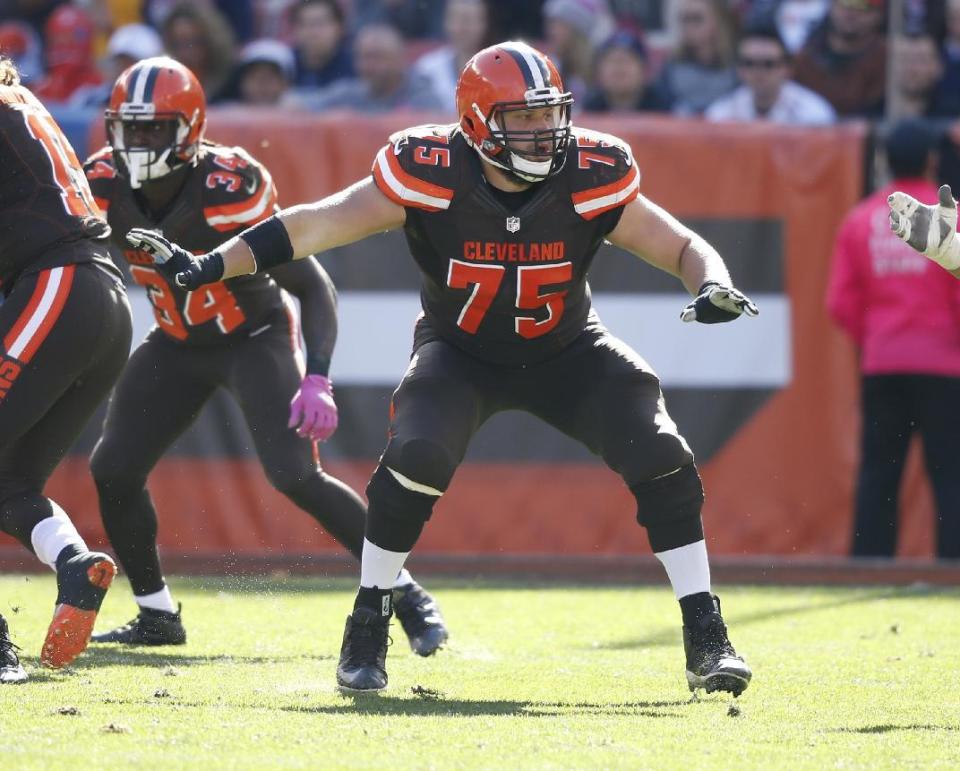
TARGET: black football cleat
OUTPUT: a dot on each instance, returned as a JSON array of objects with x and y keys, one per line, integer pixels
[
  {"x": 150, "y": 627},
  {"x": 363, "y": 655},
  {"x": 712, "y": 663},
  {"x": 82, "y": 583},
  {"x": 419, "y": 615},
  {"x": 10, "y": 669}
]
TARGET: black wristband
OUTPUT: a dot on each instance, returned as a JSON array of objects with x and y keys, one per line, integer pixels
[
  {"x": 211, "y": 269},
  {"x": 269, "y": 242},
  {"x": 317, "y": 364}
]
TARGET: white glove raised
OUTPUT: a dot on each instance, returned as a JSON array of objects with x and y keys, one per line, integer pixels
[{"x": 931, "y": 230}]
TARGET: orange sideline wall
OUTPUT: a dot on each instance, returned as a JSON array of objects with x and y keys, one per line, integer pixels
[{"x": 781, "y": 485}]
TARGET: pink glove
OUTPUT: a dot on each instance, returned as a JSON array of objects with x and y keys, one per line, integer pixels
[{"x": 313, "y": 409}]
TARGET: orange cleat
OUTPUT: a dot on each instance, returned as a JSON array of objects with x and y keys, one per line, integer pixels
[{"x": 82, "y": 583}]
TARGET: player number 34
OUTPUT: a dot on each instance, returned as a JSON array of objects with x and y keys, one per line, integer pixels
[
  {"x": 210, "y": 303},
  {"x": 484, "y": 282}
]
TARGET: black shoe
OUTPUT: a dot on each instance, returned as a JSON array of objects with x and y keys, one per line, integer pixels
[
  {"x": 10, "y": 669},
  {"x": 82, "y": 582},
  {"x": 712, "y": 663},
  {"x": 419, "y": 615},
  {"x": 150, "y": 627},
  {"x": 363, "y": 655}
]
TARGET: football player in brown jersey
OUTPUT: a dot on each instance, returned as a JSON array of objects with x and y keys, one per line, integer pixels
[
  {"x": 65, "y": 334},
  {"x": 503, "y": 213},
  {"x": 159, "y": 172}
]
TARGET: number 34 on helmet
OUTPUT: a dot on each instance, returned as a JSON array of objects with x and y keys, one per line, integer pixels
[{"x": 497, "y": 89}]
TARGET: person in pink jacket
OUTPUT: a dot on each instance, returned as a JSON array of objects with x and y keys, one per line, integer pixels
[{"x": 903, "y": 313}]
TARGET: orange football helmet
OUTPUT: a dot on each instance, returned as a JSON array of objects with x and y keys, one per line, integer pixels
[
  {"x": 512, "y": 77},
  {"x": 156, "y": 90}
]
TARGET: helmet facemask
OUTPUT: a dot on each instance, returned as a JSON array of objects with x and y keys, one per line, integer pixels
[
  {"x": 144, "y": 163},
  {"x": 530, "y": 155}
]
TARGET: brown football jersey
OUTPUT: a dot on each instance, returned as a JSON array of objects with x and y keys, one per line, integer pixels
[
  {"x": 507, "y": 286},
  {"x": 48, "y": 217},
  {"x": 225, "y": 193}
]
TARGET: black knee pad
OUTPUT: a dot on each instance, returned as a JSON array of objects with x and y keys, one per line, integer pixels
[
  {"x": 669, "y": 508},
  {"x": 423, "y": 460},
  {"x": 396, "y": 515}
]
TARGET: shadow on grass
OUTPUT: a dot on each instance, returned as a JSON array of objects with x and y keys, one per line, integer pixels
[
  {"x": 115, "y": 656},
  {"x": 889, "y": 728},
  {"x": 438, "y": 706},
  {"x": 671, "y": 635}
]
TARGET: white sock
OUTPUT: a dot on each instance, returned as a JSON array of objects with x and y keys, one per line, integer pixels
[
  {"x": 687, "y": 568},
  {"x": 49, "y": 536},
  {"x": 380, "y": 568},
  {"x": 404, "y": 578},
  {"x": 161, "y": 600}
]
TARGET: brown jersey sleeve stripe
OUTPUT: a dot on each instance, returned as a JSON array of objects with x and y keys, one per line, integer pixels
[{"x": 404, "y": 188}]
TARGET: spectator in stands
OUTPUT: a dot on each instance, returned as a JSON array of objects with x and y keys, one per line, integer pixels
[
  {"x": 32, "y": 12},
  {"x": 797, "y": 19},
  {"x": 701, "y": 70},
  {"x": 383, "y": 82},
  {"x": 320, "y": 47},
  {"x": 198, "y": 36},
  {"x": 68, "y": 45},
  {"x": 264, "y": 74},
  {"x": 127, "y": 45},
  {"x": 414, "y": 19},
  {"x": 950, "y": 51},
  {"x": 19, "y": 42},
  {"x": 845, "y": 59},
  {"x": 918, "y": 69},
  {"x": 466, "y": 23},
  {"x": 902, "y": 312},
  {"x": 623, "y": 78},
  {"x": 574, "y": 29},
  {"x": 767, "y": 93},
  {"x": 239, "y": 14}
]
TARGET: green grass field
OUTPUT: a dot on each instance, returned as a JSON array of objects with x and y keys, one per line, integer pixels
[{"x": 535, "y": 677}]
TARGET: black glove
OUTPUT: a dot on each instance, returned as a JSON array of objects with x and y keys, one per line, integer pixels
[
  {"x": 716, "y": 303},
  {"x": 176, "y": 263}
]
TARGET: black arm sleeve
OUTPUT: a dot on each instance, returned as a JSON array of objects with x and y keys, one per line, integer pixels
[{"x": 309, "y": 283}]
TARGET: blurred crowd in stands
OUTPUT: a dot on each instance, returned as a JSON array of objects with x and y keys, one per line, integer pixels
[
  {"x": 794, "y": 62},
  {"x": 809, "y": 62}
]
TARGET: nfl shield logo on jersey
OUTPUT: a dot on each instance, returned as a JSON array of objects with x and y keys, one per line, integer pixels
[{"x": 513, "y": 224}]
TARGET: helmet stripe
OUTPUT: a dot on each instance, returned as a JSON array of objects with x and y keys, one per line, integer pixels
[
  {"x": 528, "y": 66},
  {"x": 133, "y": 84},
  {"x": 143, "y": 77},
  {"x": 151, "y": 82}
]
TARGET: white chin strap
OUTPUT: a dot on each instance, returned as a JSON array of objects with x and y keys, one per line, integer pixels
[{"x": 532, "y": 171}]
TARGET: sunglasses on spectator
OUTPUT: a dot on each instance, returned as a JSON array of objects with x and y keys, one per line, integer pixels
[{"x": 760, "y": 64}]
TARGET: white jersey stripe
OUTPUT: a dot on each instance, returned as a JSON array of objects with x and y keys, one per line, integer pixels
[
  {"x": 255, "y": 210},
  {"x": 39, "y": 314},
  {"x": 585, "y": 207},
  {"x": 402, "y": 191}
]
